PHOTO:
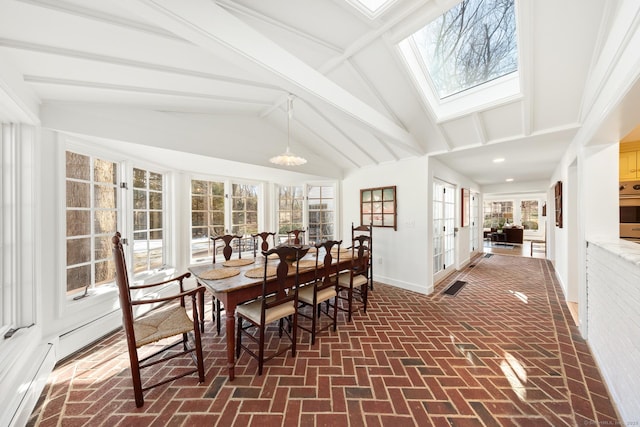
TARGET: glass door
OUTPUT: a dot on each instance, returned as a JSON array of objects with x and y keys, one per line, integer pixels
[
  {"x": 474, "y": 239},
  {"x": 443, "y": 229}
]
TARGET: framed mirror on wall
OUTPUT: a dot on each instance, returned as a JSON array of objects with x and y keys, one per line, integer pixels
[{"x": 378, "y": 207}]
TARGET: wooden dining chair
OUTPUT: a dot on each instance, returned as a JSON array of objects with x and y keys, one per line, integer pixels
[
  {"x": 277, "y": 304},
  {"x": 295, "y": 237},
  {"x": 365, "y": 230},
  {"x": 354, "y": 282},
  {"x": 227, "y": 251},
  {"x": 323, "y": 289},
  {"x": 158, "y": 323},
  {"x": 263, "y": 240}
]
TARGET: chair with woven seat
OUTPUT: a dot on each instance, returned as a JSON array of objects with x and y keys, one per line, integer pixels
[
  {"x": 295, "y": 237},
  {"x": 263, "y": 240},
  {"x": 276, "y": 304},
  {"x": 163, "y": 320},
  {"x": 355, "y": 280},
  {"x": 365, "y": 230},
  {"x": 323, "y": 289}
]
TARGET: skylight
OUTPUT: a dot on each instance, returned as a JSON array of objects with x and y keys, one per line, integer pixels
[{"x": 471, "y": 44}]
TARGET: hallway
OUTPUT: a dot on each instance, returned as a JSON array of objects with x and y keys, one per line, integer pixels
[{"x": 503, "y": 351}]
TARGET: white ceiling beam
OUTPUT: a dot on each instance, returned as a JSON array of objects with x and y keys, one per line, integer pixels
[
  {"x": 18, "y": 102},
  {"x": 211, "y": 27}
]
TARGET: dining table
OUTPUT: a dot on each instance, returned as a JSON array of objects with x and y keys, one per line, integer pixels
[{"x": 239, "y": 280}]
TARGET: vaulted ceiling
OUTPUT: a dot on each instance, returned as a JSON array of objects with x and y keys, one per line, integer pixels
[{"x": 212, "y": 78}]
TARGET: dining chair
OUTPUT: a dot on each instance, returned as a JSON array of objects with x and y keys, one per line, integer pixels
[
  {"x": 355, "y": 280},
  {"x": 264, "y": 241},
  {"x": 366, "y": 230},
  {"x": 323, "y": 289},
  {"x": 227, "y": 251},
  {"x": 165, "y": 318},
  {"x": 295, "y": 237},
  {"x": 277, "y": 303}
]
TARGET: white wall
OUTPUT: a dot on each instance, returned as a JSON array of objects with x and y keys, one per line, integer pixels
[
  {"x": 404, "y": 258},
  {"x": 401, "y": 258}
]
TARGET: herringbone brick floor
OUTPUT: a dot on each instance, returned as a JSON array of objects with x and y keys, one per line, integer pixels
[{"x": 503, "y": 351}]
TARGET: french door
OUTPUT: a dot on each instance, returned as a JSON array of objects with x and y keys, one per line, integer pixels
[
  {"x": 443, "y": 229},
  {"x": 474, "y": 239}
]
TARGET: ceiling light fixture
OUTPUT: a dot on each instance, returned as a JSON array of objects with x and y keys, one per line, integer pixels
[
  {"x": 498, "y": 160},
  {"x": 288, "y": 158},
  {"x": 509, "y": 179}
]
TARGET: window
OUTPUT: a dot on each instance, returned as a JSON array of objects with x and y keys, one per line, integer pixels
[
  {"x": 529, "y": 214},
  {"x": 290, "y": 209},
  {"x": 148, "y": 237},
  {"x": 244, "y": 209},
  {"x": 91, "y": 220},
  {"x": 321, "y": 205},
  {"x": 207, "y": 216},
  {"x": 470, "y": 44},
  {"x": 497, "y": 214}
]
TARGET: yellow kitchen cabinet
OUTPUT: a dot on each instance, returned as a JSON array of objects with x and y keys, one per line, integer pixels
[
  {"x": 630, "y": 161},
  {"x": 629, "y": 165}
]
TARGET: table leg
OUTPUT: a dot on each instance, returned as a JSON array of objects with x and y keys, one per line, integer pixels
[{"x": 230, "y": 311}]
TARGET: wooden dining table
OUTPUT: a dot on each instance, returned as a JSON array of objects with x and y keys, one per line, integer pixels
[{"x": 239, "y": 288}]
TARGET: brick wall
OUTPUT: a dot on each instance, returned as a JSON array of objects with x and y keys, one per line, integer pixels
[{"x": 613, "y": 313}]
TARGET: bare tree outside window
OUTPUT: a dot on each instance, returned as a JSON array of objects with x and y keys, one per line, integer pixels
[{"x": 470, "y": 44}]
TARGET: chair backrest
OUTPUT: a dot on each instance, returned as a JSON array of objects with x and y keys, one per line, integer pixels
[
  {"x": 362, "y": 230},
  {"x": 361, "y": 253},
  {"x": 294, "y": 237},
  {"x": 264, "y": 241},
  {"x": 325, "y": 259},
  {"x": 285, "y": 289},
  {"x": 227, "y": 250}
]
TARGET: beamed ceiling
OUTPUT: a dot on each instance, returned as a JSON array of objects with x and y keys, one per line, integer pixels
[{"x": 212, "y": 78}]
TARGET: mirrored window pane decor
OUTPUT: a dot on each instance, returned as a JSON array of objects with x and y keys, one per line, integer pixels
[{"x": 378, "y": 206}]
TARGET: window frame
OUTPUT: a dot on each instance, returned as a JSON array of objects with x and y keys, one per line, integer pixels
[
  {"x": 228, "y": 186},
  {"x": 108, "y": 291}
]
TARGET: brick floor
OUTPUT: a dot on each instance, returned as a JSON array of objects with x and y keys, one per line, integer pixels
[{"x": 503, "y": 351}]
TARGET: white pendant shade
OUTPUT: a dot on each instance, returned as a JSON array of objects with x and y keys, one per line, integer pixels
[{"x": 288, "y": 158}]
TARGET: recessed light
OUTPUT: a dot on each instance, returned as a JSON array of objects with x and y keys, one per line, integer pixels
[
  {"x": 498, "y": 160},
  {"x": 509, "y": 179}
]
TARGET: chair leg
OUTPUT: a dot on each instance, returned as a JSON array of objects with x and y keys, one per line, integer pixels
[
  {"x": 261, "y": 350},
  {"x": 294, "y": 334},
  {"x": 199, "y": 354},
  {"x": 365, "y": 296},
  {"x": 218, "y": 310},
  {"x": 201, "y": 314},
  {"x": 239, "y": 337},
  {"x": 335, "y": 312},
  {"x": 314, "y": 315},
  {"x": 350, "y": 302}
]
